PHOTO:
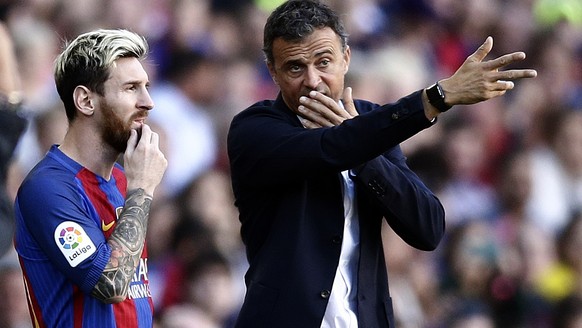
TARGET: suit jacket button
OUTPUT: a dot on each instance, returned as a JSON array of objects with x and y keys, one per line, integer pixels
[
  {"x": 336, "y": 240},
  {"x": 325, "y": 294}
]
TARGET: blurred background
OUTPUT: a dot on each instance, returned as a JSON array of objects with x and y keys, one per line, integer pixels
[{"x": 508, "y": 171}]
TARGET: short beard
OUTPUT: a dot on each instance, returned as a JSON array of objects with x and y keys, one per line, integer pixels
[{"x": 115, "y": 131}]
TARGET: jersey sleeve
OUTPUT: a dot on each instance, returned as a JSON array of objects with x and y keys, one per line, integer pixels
[{"x": 59, "y": 220}]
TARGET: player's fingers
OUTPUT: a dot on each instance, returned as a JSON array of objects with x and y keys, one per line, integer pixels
[
  {"x": 146, "y": 133},
  {"x": 155, "y": 139},
  {"x": 131, "y": 142}
]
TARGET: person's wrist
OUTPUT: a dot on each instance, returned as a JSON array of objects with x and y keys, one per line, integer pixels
[
  {"x": 429, "y": 111},
  {"x": 437, "y": 98}
]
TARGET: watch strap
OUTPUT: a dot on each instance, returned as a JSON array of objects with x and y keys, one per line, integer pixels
[{"x": 436, "y": 97}]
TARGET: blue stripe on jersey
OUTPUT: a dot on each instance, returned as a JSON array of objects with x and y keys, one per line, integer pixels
[{"x": 52, "y": 193}]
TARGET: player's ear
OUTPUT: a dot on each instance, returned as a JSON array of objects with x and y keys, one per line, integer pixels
[{"x": 83, "y": 98}]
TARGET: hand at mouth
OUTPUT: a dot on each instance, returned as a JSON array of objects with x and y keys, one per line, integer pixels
[{"x": 138, "y": 130}]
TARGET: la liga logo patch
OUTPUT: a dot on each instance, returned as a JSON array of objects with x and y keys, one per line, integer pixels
[
  {"x": 73, "y": 242},
  {"x": 70, "y": 238}
]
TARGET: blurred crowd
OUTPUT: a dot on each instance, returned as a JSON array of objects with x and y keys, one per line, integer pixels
[{"x": 508, "y": 171}]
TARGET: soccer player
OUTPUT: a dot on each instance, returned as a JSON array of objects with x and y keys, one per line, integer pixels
[{"x": 81, "y": 218}]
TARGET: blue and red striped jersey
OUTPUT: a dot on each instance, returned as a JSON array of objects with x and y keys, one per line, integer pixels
[{"x": 64, "y": 215}]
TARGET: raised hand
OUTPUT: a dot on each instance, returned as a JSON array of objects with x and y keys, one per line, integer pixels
[
  {"x": 478, "y": 80},
  {"x": 143, "y": 160},
  {"x": 318, "y": 110}
]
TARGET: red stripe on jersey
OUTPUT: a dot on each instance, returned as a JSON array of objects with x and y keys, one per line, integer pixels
[
  {"x": 33, "y": 307},
  {"x": 125, "y": 314},
  {"x": 151, "y": 300},
  {"x": 78, "y": 303},
  {"x": 99, "y": 200},
  {"x": 120, "y": 180}
]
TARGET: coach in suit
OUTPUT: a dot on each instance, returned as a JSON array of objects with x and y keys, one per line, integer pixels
[{"x": 314, "y": 172}]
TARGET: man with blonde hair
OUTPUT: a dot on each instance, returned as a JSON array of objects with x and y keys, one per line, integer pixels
[{"x": 81, "y": 217}]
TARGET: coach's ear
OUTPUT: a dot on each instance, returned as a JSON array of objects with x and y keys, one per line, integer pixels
[
  {"x": 347, "y": 57},
  {"x": 83, "y": 98},
  {"x": 271, "y": 68}
]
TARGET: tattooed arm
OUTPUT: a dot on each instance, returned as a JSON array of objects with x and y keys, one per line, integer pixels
[
  {"x": 144, "y": 166},
  {"x": 126, "y": 242}
]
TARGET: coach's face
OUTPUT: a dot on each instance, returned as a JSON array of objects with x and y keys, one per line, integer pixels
[{"x": 317, "y": 62}]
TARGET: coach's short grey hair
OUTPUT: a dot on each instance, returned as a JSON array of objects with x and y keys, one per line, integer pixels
[
  {"x": 295, "y": 20},
  {"x": 88, "y": 58}
]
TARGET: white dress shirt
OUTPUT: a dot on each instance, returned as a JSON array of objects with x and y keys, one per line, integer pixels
[{"x": 341, "y": 311}]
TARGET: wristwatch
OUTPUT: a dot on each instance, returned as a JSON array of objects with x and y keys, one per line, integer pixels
[{"x": 436, "y": 97}]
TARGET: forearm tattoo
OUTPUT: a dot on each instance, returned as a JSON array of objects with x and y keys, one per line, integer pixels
[{"x": 126, "y": 242}]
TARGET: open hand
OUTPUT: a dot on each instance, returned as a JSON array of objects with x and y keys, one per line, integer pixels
[{"x": 478, "y": 80}]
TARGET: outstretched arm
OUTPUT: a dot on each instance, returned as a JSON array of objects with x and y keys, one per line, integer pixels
[{"x": 475, "y": 81}]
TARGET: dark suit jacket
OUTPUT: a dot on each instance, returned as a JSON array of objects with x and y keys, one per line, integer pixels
[{"x": 286, "y": 181}]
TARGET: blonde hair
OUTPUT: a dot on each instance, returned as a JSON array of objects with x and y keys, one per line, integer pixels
[{"x": 88, "y": 58}]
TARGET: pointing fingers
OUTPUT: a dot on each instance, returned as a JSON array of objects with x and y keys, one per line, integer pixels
[{"x": 482, "y": 51}]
